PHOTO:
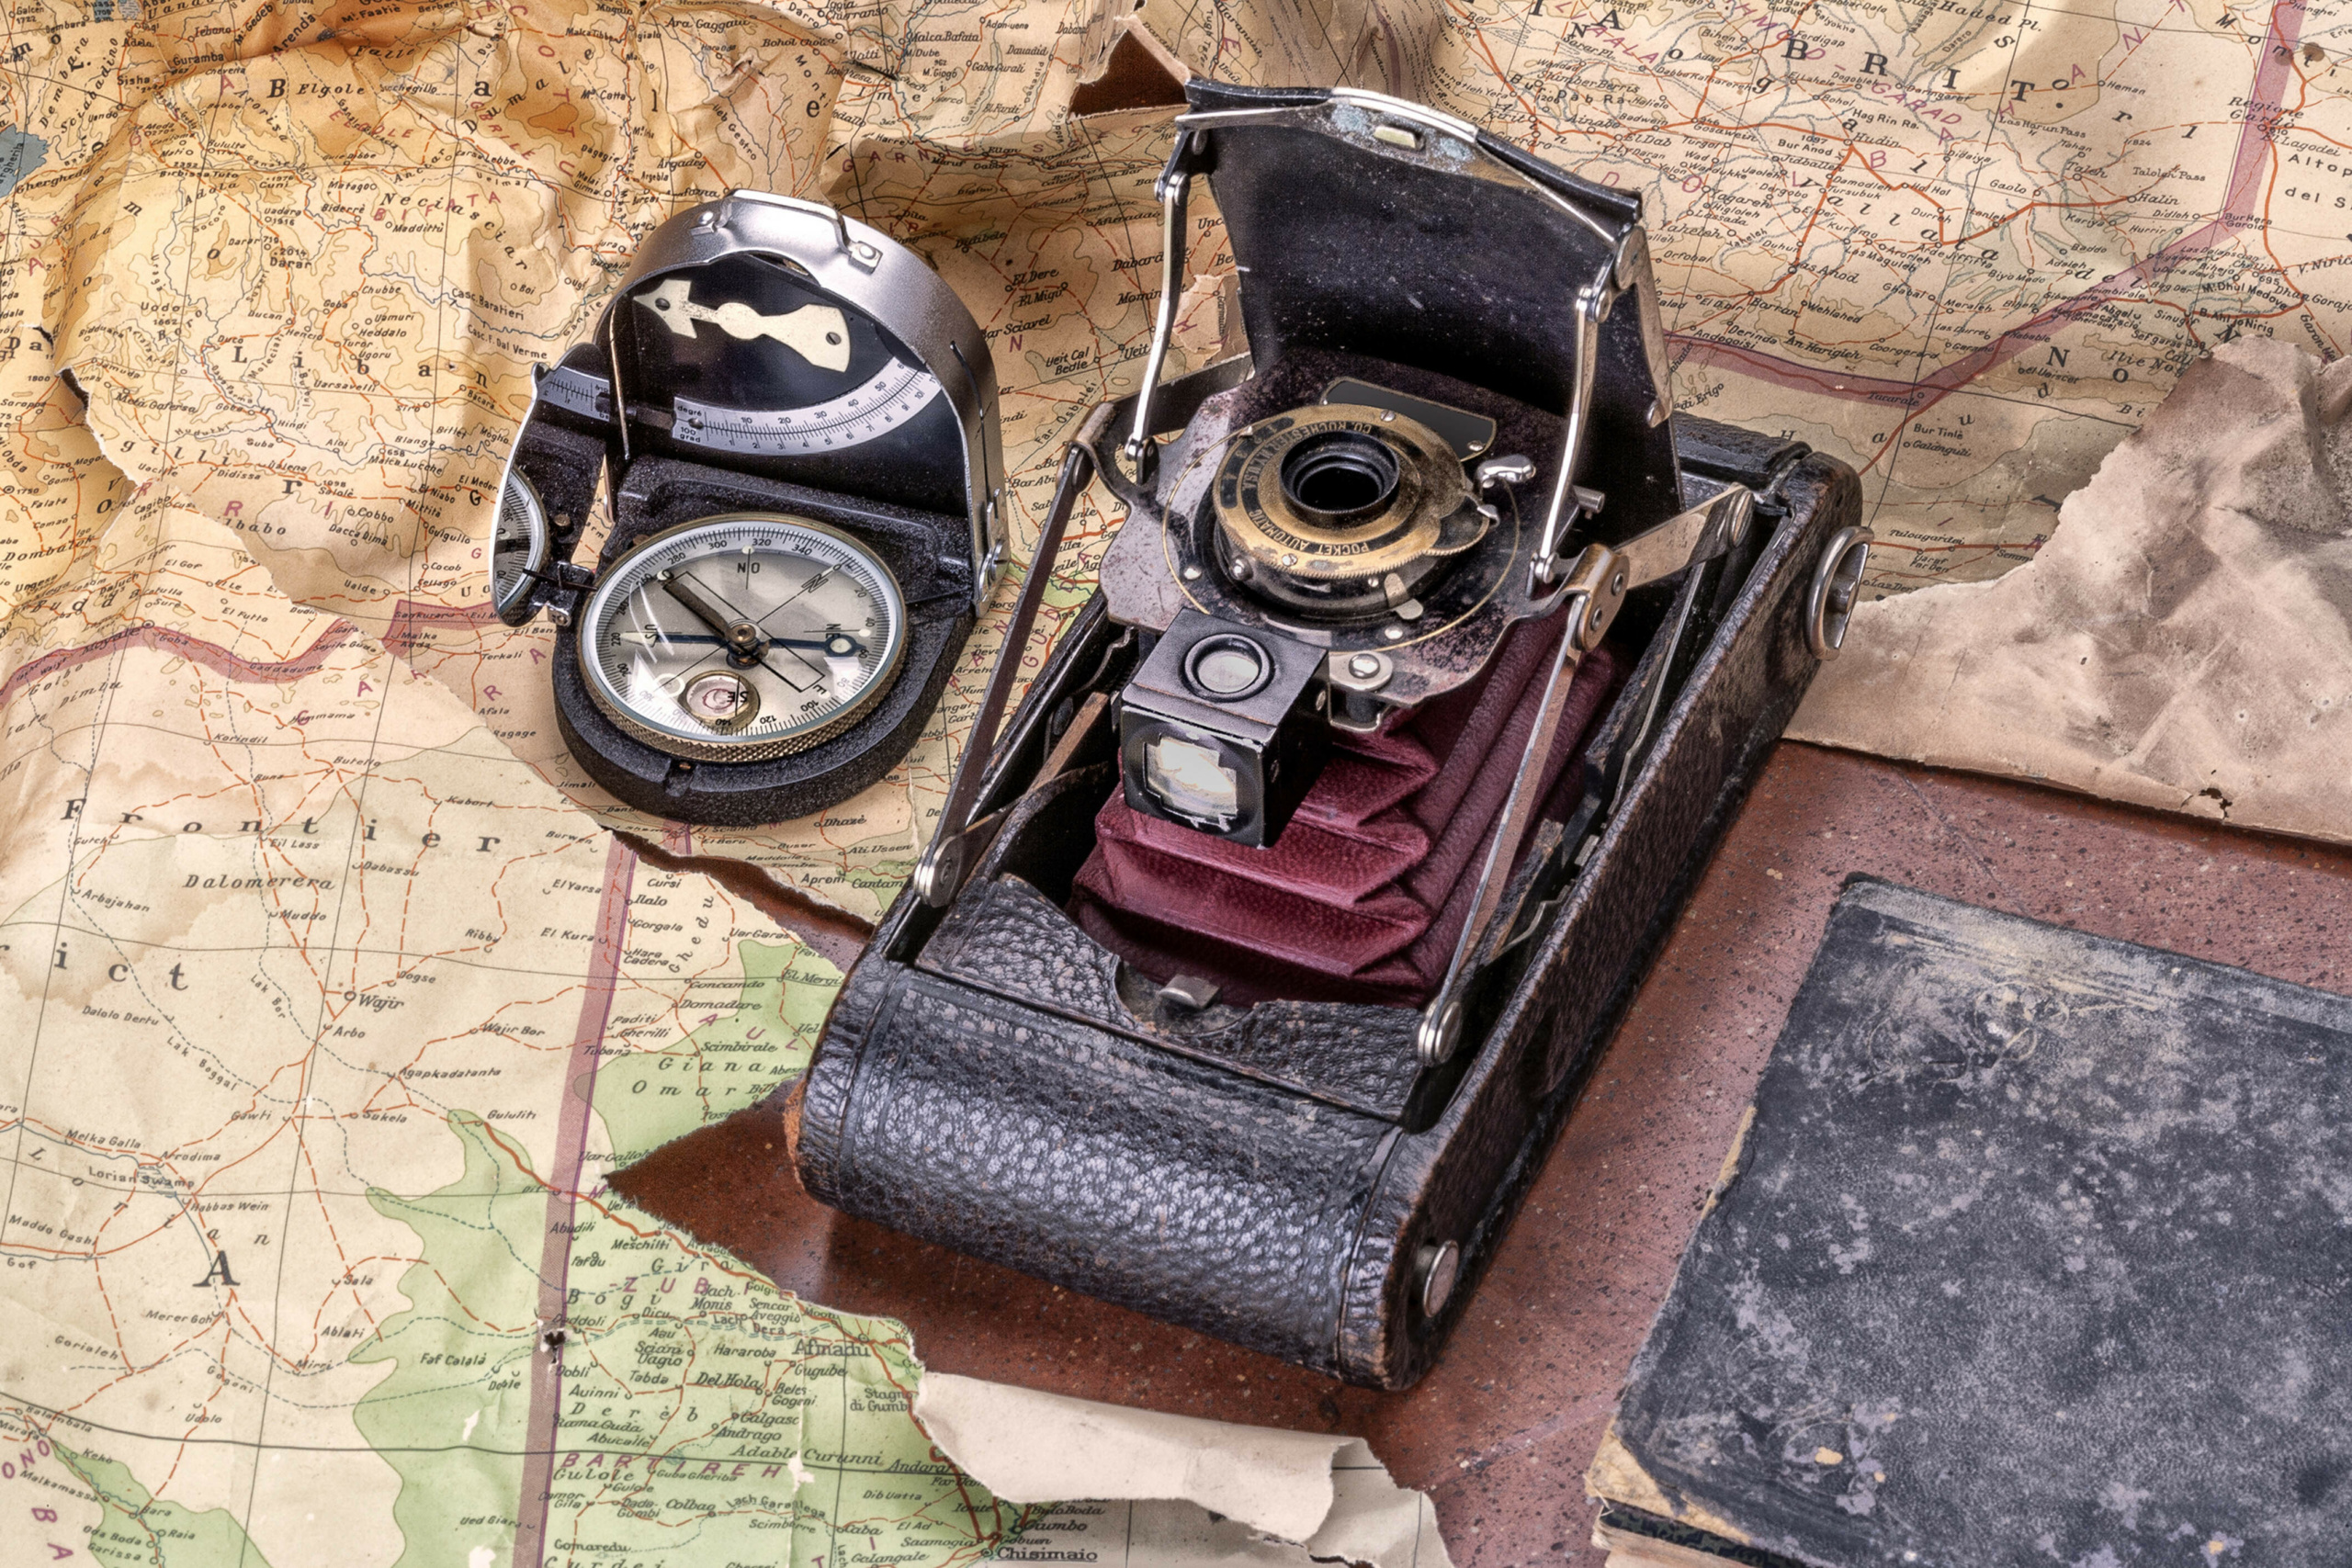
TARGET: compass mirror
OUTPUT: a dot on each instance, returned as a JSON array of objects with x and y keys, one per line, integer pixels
[{"x": 747, "y": 361}]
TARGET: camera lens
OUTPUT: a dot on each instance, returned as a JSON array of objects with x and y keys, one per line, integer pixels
[
  {"x": 1339, "y": 476},
  {"x": 1228, "y": 667}
]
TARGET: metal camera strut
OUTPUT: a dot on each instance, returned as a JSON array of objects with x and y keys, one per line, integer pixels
[
  {"x": 959, "y": 842},
  {"x": 1596, "y": 585}
]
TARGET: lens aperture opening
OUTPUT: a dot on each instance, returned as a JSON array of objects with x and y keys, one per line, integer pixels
[{"x": 1340, "y": 476}]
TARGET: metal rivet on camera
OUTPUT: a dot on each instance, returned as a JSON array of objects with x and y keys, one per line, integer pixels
[
  {"x": 1392, "y": 634},
  {"x": 1439, "y": 1036},
  {"x": 1191, "y": 574},
  {"x": 940, "y": 871},
  {"x": 1436, "y": 1267},
  {"x": 1360, "y": 672}
]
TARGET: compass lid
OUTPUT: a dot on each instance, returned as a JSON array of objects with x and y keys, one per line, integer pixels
[
  {"x": 892, "y": 395},
  {"x": 800, "y": 253}
]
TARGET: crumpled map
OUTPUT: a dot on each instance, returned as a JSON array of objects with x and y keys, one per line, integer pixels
[
  {"x": 1182, "y": 1493},
  {"x": 2184, "y": 643},
  {"x": 327, "y": 994}
]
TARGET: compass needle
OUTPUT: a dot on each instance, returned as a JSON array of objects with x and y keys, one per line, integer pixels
[{"x": 736, "y": 631}]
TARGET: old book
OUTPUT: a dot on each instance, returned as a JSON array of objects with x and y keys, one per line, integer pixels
[{"x": 2036, "y": 1248}]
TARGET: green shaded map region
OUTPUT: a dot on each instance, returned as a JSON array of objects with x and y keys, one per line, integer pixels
[
  {"x": 709, "y": 1417},
  {"x": 702, "y": 1415},
  {"x": 452, "y": 1415},
  {"x": 749, "y": 1032}
]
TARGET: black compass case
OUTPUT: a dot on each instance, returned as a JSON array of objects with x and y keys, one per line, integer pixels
[
  {"x": 1304, "y": 1174},
  {"x": 897, "y": 446}
]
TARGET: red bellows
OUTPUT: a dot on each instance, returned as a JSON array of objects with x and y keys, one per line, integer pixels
[{"x": 1365, "y": 894}]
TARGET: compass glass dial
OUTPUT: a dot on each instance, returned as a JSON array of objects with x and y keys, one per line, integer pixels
[
  {"x": 518, "y": 546},
  {"x": 742, "y": 637}
]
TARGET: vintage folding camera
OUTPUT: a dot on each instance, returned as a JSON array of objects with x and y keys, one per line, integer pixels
[
  {"x": 1254, "y": 963},
  {"x": 798, "y": 422}
]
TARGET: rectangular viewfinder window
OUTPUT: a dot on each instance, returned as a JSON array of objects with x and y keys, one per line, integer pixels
[{"x": 1186, "y": 777}]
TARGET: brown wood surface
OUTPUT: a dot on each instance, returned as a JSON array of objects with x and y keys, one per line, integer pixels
[{"x": 1502, "y": 1432}]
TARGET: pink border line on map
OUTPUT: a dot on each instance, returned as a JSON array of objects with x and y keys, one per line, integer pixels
[
  {"x": 2279, "y": 39},
  {"x": 163, "y": 639},
  {"x": 411, "y": 617},
  {"x": 400, "y": 636},
  {"x": 563, "y": 1194}
]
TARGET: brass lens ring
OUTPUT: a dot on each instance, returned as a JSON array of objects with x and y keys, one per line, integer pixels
[{"x": 1342, "y": 508}]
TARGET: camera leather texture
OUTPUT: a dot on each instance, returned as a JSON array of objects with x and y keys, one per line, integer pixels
[{"x": 1006, "y": 937}]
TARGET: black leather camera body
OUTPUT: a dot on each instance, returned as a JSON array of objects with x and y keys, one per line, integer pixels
[
  {"x": 795, "y": 421},
  {"x": 1256, "y": 960}
]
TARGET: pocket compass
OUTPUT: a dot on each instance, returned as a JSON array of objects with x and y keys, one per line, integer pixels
[{"x": 795, "y": 422}]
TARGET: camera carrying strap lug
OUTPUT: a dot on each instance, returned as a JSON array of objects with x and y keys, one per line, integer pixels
[{"x": 1595, "y": 587}]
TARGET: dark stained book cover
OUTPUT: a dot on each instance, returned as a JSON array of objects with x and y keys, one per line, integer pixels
[{"x": 2037, "y": 1249}]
